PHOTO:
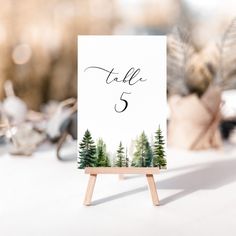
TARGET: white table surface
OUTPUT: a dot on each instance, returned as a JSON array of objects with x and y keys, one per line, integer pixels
[{"x": 42, "y": 196}]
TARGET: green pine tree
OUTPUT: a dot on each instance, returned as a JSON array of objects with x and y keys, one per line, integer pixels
[
  {"x": 143, "y": 154},
  {"x": 126, "y": 158},
  {"x": 87, "y": 151},
  {"x": 159, "y": 150},
  {"x": 102, "y": 156},
  {"x": 120, "y": 157}
]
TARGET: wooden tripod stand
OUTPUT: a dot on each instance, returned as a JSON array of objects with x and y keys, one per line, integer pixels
[{"x": 94, "y": 171}]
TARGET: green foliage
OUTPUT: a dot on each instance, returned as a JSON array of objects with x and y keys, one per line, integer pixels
[
  {"x": 143, "y": 153},
  {"x": 159, "y": 150},
  {"x": 126, "y": 159},
  {"x": 87, "y": 151},
  {"x": 91, "y": 155},
  {"x": 120, "y": 157},
  {"x": 102, "y": 156}
]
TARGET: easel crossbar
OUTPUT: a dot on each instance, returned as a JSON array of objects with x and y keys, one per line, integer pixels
[{"x": 122, "y": 170}]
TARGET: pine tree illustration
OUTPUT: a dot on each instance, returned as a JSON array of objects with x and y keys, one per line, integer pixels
[
  {"x": 159, "y": 150},
  {"x": 102, "y": 156},
  {"x": 87, "y": 151},
  {"x": 120, "y": 157},
  {"x": 143, "y": 153},
  {"x": 126, "y": 158}
]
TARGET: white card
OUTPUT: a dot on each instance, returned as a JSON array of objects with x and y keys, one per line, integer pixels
[{"x": 121, "y": 111}]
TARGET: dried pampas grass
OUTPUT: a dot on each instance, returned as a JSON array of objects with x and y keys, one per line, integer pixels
[
  {"x": 192, "y": 71},
  {"x": 227, "y": 68}
]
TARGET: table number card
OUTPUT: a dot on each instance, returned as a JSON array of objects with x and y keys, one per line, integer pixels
[{"x": 121, "y": 101}]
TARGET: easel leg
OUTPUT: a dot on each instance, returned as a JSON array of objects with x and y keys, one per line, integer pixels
[
  {"x": 153, "y": 190},
  {"x": 89, "y": 192}
]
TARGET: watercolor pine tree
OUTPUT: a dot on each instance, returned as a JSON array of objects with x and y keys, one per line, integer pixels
[
  {"x": 87, "y": 151},
  {"x": 159, "y": 150},
  {"x": 102, "y": 156},
  {"x": 120, "y": 156},
  {"x": 143, "y": 154},
  {"x": 126, "y": 158}
]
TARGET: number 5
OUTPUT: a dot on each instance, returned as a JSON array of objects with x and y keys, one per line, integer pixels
[{"x": 123, "y": 100}]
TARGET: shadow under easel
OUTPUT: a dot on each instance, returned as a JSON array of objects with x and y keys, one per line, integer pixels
[
  {"x": 126, "y": 177},
  {"x": 207, "y": 176}
]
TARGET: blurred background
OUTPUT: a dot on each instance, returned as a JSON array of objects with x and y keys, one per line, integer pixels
[
  {"x": 38, "y": 37},
  {"x": 38, "y": 44}
]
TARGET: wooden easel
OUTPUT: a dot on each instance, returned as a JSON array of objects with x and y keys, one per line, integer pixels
[{"x": 94, "y": 171}]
